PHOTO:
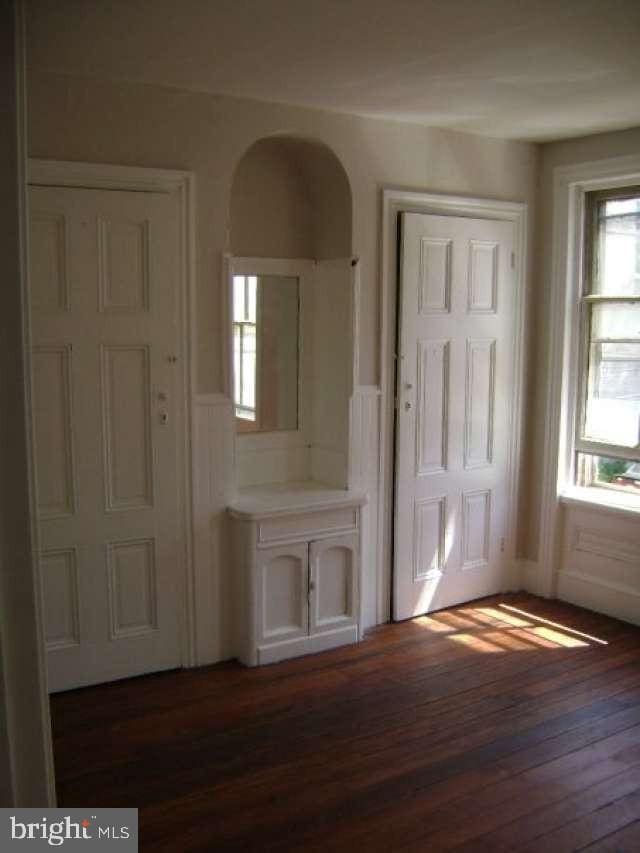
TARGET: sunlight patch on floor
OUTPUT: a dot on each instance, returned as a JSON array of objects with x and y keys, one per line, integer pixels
[
  {"x": 478, "y": 644},
  {"x": 504, "y": 628},
  {"x": 564, "y": 628}
]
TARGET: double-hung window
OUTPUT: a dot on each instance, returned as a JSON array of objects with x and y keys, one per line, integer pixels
[{"x": 608, "y": 421}]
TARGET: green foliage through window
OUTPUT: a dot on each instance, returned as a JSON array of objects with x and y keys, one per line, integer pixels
[{"x": 609, "y": 469}]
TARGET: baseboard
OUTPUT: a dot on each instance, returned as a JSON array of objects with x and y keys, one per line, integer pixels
[
  {"x": 307, "y": 645},
  {"x": 618, "y": 600}
]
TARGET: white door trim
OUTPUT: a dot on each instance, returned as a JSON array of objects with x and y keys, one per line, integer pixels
[
  {"x": 570, "y": 185},
  {"x": 396, "y": 201},
  {"x": 29, "y": 764},
  {"x": 182, "y": 184}
]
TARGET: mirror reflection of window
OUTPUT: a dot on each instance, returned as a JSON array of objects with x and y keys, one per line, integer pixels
[
  {"x": 244, "y": 345},
  {"x": 265, "y": 352}
]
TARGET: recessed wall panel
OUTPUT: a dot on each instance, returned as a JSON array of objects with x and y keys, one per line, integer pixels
[
  {"x": 334, "y": 573},
  {"x": 432, "y": 407},
  {"x": 434, "y": 296},
  {"x": 60, "y": 596},
  {"x": 123, "y": 263},
  {"x": 48, "y": 262},
  {"x": 479, "y": 403},
  {"x": 132, "y": 584},
  {"x": 476, "y": 526},
  {"x": 429, "y": 538},
  {"x": 282, "y": 578},
  {"x": 483, "y": 277},
  {"x": 53, "y": 430},
  {"x": 127, "y": 428}
]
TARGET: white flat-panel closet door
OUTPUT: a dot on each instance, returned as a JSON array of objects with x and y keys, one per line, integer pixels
[
  {"x": 107, "y": 382},
  {"x": 455, "y": 380}
]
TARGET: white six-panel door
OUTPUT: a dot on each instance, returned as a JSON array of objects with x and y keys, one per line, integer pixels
[
  {"x": 454, "y": 384},
  {"x": 106, "y": 385}
]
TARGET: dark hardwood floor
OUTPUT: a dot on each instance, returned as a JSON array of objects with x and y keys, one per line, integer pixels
[{"x": 480, "y": 728}]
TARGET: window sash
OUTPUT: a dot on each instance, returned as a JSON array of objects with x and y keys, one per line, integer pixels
[{"x": 589, "y": 299}]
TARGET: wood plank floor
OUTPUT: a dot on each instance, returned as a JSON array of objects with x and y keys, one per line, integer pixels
[{"x": 479, "y": 728}]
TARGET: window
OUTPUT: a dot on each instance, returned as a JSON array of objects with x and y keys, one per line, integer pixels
[
  {"x": 608, "y": 423},
  {"x": 244, "y": 345}
]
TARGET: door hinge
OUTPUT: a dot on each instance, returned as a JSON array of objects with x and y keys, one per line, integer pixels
[
  {"x": 513, "y": 260},
  {"x": 502, "y": 545}
]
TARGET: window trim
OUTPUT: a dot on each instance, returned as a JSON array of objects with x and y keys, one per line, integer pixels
[
  {"x": 570, "y": 184},
  {"x": 587, "y": 300}
]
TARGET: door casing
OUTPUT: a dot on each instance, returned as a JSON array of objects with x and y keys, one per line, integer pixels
[
  {"x": 394, "y": 202},
  {"x": 56, "y": 173}
]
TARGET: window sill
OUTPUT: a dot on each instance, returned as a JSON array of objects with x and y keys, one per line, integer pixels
[{"x": 617, "y": 503}]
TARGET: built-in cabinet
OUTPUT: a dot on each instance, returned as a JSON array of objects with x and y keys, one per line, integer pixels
[
  {"x": 297, "y": 563},
  {"x": 290, "y": 369}
]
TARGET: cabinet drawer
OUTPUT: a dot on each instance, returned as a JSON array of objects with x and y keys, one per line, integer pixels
[{"x": 305, "y": 525}]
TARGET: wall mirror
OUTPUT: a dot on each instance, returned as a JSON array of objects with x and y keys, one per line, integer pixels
[{"x": 265, "y": 318}]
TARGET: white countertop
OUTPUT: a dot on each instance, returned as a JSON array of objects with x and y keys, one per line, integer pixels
[{"x": 287, "y": 498}]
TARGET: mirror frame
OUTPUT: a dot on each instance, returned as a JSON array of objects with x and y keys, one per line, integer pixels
[{"x": 301, "y": 269}]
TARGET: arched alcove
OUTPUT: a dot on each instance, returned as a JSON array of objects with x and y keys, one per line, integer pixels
[
  {"x": 291, "y": 312},
  {"x": 290, "y": 198}
]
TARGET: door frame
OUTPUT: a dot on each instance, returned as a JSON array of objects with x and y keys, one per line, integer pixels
[
  {"x": 98, "y": 176},
  {"x": 395, "y": 202}
]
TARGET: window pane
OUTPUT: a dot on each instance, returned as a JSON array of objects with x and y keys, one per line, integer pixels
[
  {"x": 610, "y": 473},
  {"x": 619, "y": 248},
  {"x": 251, "y": 298},
  {"x": 249, "y": 366},
  {"x": 613, "y": 401},
  {"x": 616, "y": 320},
  {"x": 238, "y": 298},
  {"x": 236, "y": 363}
]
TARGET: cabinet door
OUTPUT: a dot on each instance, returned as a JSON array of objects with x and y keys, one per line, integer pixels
[
  {"x": 282, "y": 593},
  {"x": 333, "y": 593}
]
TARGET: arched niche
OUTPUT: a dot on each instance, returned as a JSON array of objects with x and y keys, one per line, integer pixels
[{"x": 290, "y": 198}]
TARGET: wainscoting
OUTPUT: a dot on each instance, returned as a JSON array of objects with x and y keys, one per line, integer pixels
[
  {"x": 214, "y": 462},
  {"x": 601, "y": 561},
  {"x": 507, "y": 723}
]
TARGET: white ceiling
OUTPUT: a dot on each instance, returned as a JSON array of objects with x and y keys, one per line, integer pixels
[{"x": 537, "y": 70}]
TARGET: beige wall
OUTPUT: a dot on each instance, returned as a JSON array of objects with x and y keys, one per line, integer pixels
[
  {"x": 129, "y": 124},
  {"x": 290, "y": 199},
  {"x": 91, "y": 120},
  {"x": 566, "y": 153}
]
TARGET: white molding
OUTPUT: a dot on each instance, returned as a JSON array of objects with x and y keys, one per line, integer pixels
[
  {"x": 226, "y": 322},
  {"x": 394, "y": 202},
  {"x": 356, "y": 323},
  {"x": 364, "y": 475},
  {"x": 48, "y": 771},
  {"x": 570, "y": 184},
  {"x": 616, "y": 599},
  {"x": 182, "y": 184},
  {"x": 614, "y": 586},
  {"x": 302, "y": 269},
  {"x": 213, "y": 489},
  {"x": 585, "y": 539},
  {"x": 603, "y": 501},
  {"x": 108, "y": 176}
]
